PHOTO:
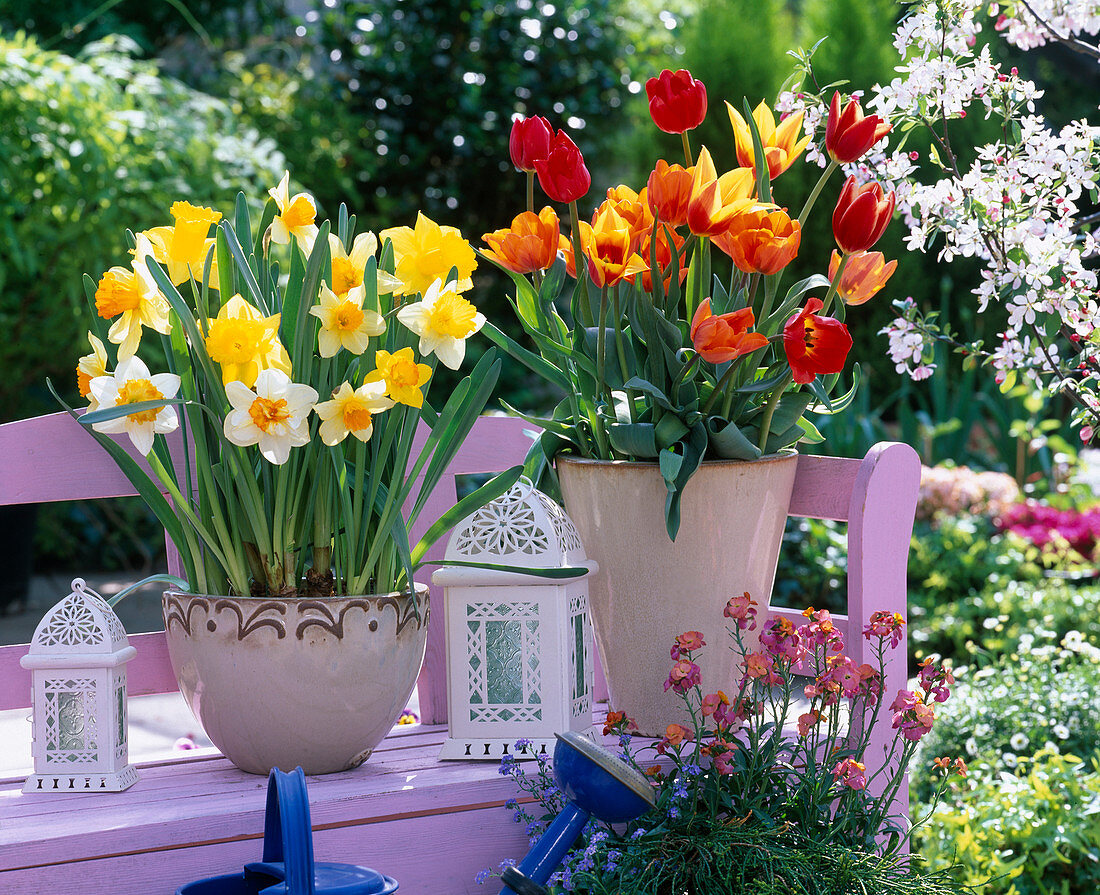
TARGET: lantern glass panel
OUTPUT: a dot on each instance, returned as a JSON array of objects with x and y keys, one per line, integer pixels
[
  {"x": 70, "y": 726},
  {"x": 504, "y": 653},
  {"x": 578, "y": 656}
]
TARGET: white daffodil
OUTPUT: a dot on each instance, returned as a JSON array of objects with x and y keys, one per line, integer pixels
[
  {"x": 131, "y": 384},
  {"x": 295, "y": 218},
  {"x": 91, "y": 366},
  {"x": 352, "y": 412},
  {"x": 272, "y": 415},
  {"x": 444, "y": 320},
  {"x": 134, "y": 295},
  {"x": 345, "y": 323},
  {"x": 348, "y": 267}
]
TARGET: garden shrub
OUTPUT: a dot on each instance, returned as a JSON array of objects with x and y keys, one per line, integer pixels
[
  {"x": 1034, "y": 832},
  {"x": 90, "y": 146}
]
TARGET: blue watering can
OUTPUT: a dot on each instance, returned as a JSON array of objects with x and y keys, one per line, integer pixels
[
  {"x": 598, "y": 784},
  {"x": 287, "y": 867}
]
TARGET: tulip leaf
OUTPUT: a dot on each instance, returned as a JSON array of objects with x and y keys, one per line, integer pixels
[
  {"x": 729, "y": 442},
  {"x": 552, "y": 283},
  {"x": 634, "y": 439},
  {"x": 686, "y": 465},
  {"x": 642, "y": 385},
  {"x": 669, "y": 430},
  {"x": 550, "y": 425},
  {"x": 763, "y": 173},
  {"x": 789, "y": 409},
  {"x": 779, "y": 440},
  {"x": 811, "y": 434},
  {"x": 529, "y": 359},
  {"x": 835, "y": 405},
  {"x": 764, "y": 384}
]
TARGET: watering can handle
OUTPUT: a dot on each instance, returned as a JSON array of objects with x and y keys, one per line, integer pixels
[{"x": 288, "y": 836}]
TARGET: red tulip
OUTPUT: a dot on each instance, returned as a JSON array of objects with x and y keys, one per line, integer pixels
[
  {"x": 562, "y": 174},
  {"x": 861, "y": 215},
  {"x": 815, "y": 344},
  {"x": 677, "y": 101},
  {"x": 848, "y": 134},
  {"x": 529, "y": 141}
]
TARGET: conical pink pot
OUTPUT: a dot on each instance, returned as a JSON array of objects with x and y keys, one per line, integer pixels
[{"x": 650, "y": 589}]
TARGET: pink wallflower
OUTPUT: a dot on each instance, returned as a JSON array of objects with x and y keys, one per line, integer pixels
[
  {"x": 842, "y": 671},
  {"x": 713, "y": 702},
  {"x": 885, "y": 624},
  {"x": 722, "y": 754},
  {"x": 688, "y": 642},
  {"x": 742, "y": 610},
  {"x": 911, "y": 716},
  {"x": 936, "y": 680},
  {"x": 851, "y": 773},
  {"x": 782, "y": 640},
  {"x": 684, "y": 676},
  {"x": 821, "y": 631},
  {"x": 761, "y": 667},
  {"x": 809, "y": 720}
]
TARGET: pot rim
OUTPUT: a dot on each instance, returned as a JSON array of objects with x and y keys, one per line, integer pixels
[
  {"x": 785, "y": 454},
  {"x": 420, "y": 587}
]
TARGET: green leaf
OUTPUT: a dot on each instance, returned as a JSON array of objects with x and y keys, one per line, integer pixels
[
  {"x": 554, "y": 572},
  {"x": 176, "y": 582},
  {"x": 763, "y": 173},
  {"x": 729, "y": 442},
  {"x": 244, "y": 269},
  {"x": 113, "y": 413},
  {"x": 811, "y": 435},
  {"x": 265, "y": 221},
  {"x": 533, "y": 362},
  {"x": 670, "y": 430},
  {"x": 634, "y": 439}
]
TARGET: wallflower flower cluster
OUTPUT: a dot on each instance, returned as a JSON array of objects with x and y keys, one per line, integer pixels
[
  {"x": 957, "y": 490},
  {"x": 1014, "y": 203}
]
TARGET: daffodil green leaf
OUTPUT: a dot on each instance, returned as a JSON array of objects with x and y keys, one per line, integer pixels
[
  {"x": 113, "y": 413},
  {"x": 529, "y": 359},
  {"x": 244, "y": 269},
  {"x": 174, "y": 580}
]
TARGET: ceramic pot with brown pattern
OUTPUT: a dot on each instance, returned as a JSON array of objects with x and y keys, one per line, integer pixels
[{"x": 310, "y": 682}]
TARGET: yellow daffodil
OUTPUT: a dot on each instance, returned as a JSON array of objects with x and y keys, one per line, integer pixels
[
  {"x": 402, "y": 375},
  {"x": 133, "y": 295},
  {"x": 273, "y": 415},
  {"x": 444, "y": 320},
  {"x": 245, "y": 342},
  {"x": 132, "y": 384},
  {"x": 348, "y": 267},
  {"x": 184, "y": 247},
  {"x": 91, "y": 366},
  {"x": 295, "y": 218},
  {"x": 182, "y": 270},
  {"x": 428, "y": 253},
  {"x": 781, "y": 144},
  {"x": 352, "y": 412},
  {"x": 345, "y": 323}
]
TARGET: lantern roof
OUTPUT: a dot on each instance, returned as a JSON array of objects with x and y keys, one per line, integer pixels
[
  {"x": 522, "y": 527},
  {"x": 81, "y": 625}
]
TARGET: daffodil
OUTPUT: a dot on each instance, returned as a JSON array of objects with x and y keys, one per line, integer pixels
[
  {"x": 273, "y": 414},
  {"x": 345, "y": 323},
  {"x": 428, "y": 253},
  {"x": 295, "y": 218},
  {"x": 245, "y": 342},
  {"x": 184, "y": 247},
  {"x": 91, "y": 366},
  {"x": 348, "y": 267},
  {"x": 402, "y": 375},
  {"x": 132, "y": 384},
  {"x": 352, "y": 412},
  {"x": 134, "y": 295},
  {"x": 444, "y": 320}
]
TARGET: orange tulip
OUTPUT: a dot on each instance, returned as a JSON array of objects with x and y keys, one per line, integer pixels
[
  {"x": 781, "y": 144},
  {"x": 668, "y": 192},
  {"x": 531, "y": 243},
  {"x": 609, "y": 246},
  {"x": 761, "y": 240},
  {"x": 631, "y": 206},
  {"x": 725, "y": 337},
  {"x": 715, "y": 200},
  {"x": 864, "y": 275}
]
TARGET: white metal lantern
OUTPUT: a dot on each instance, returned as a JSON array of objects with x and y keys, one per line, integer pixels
[
  {"x": 78, "y": 662},
  {"x": 519, "y": 662}
]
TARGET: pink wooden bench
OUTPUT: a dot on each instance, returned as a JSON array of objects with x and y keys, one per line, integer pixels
[{"x": 431, "y": 825}]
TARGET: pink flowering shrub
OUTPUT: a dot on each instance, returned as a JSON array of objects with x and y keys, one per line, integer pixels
[
  {"x": 955, "y": 490},
  {"x": 1048, "y": 527}
]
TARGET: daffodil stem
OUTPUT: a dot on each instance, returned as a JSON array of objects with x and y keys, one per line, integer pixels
[
  {"x": 687, "y": 149},
  {"x": 825, "y": 175},
  {"x": 769, "y": 411}
]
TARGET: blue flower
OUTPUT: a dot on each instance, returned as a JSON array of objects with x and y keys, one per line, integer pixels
[
  {"x": 692, "y": 770},
  {"x": 637, "y": 834},
  {"x": 483, "y": 875},
  {"x": 624, "y": 740},
  {"x": 511, "y": 804},
  {"x": 523, "y": 743},
  {"x": 507, "y": 862}
]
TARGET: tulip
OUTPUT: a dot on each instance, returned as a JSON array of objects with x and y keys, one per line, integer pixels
[
  {"x": 864, "y": 275},
  {"x": 562, "y": 174},
  {"x": 861, "y": 215},
  {"x": 677, "y": 101},
  {"x": 848, "y": 134},
  {"x": 715, "y": 200},
  {"x": 529, "y": 142},
  {"x": 668, "y": 192},
  {"x": 781, "y": 144},
  {"x": 815, "y": 344},
  {"x": 632, "y": 207},
  {"x": 761, "y": 240},
  {"x": 531, "y": 243},
  {"x": 609, "y": 246},
  {"x": 722, "y": 338},
  {"x": 664, "y": 259}
]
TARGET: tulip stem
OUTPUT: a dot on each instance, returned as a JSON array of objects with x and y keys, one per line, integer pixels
[
  {"x": 769, "y": 411},
  {"x": 601, "y": 344},
  {"x": 581, "y": 268},
  {"x": 531, "y": 191},
  {"x": 621, "y": 351},
  {"x": 825, "y": 175},
  {"x": 719, "y": 388},
  {"x": 835, "y": 284},
  {"x": 687, "y": 148}
]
